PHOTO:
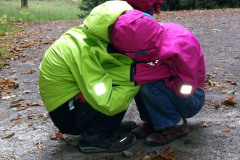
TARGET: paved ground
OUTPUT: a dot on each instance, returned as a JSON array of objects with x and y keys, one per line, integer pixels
[{"x": 25, "y": 129}]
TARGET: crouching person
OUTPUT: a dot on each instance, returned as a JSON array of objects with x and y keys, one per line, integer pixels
[
  {"x": 85, "y": 84},
  {"x": 170, "y": 67}
]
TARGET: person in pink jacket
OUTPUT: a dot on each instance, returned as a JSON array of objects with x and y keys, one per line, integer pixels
[
  {"x": 147, "y": 6},
  {"x": 169, "y": 66}
]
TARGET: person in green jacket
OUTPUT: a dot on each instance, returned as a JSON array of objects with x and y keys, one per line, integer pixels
[{"x": 85, "y": 84}]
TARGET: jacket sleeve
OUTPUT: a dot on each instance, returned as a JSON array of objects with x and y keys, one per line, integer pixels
[
  {"x": 108, "y": 90},
  {"x": 106, "y": 94},
  {"x": 184, "y": 69},
  {"x": 120, "y": 75}
]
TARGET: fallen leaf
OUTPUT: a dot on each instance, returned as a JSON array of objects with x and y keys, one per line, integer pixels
[
  {"x": 58, "y": 136},
  {"x": 34, "y": 104},
  {"x": 39, "y": 145},
  {"x": 54, "y": 145},
  {"x": 22, "y": 108},
  {"x": 17, "y": 118},
  {"x": 222, "y": 85},
  {"x": 31, "y": 117},
  {"x": 232, "y": 91},
  {"x": 5, "y": 130},
  {"x": 26, "y": 91},
  {"x": 226, "y": 130},
  {"x": 231, "y": 82},
  {"x": 8, "y": 84},
  {"x": 166, "y": 155},
  {"x": 45, "y": 115},
  {"x": 205, "y": 124},
  {"x": 138, "y": 153},
  {"x": 18, "y": 121},
  {"x": 6, "y": 97},
  {"x": 217, "y": 105},
  {"x": 19, "y": 104},
  {"x": 30, "y": 71},
  {"x": 223, "y": 92},
  {"x": 8, "y": 136},
  {"x": 229, "y": 101},
  {"x": 30, "y": 124},
  {"x": 146, "y": 158},
  {"x": 14, "y": 156},
  {"x": 16, "y": 101}
]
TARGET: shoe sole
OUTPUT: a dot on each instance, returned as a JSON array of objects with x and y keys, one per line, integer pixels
[
  {"x": 99, "y": 150},
  {"x": 161, "y": 144}
]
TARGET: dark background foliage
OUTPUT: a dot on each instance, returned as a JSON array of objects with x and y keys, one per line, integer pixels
[{"x": 168, "y": 5}]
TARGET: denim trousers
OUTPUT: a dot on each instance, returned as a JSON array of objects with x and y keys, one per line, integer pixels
[
  {"x": 163, "y": 108},
  {"x": 84, "y": 118}
]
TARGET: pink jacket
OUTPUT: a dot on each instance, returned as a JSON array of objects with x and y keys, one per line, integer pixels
[
  {"x": 144, "y": 5},
  {"x": 173, "y": 51}
]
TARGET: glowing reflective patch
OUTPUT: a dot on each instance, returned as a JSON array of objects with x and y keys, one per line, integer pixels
[
  {"x": 186, "y": 89},
  {"x": 123, "y": 139},
  {"x": 100, "y": 89}
]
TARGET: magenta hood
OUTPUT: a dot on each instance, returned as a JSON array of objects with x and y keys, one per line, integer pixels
[{"x": 132, "y": 38}]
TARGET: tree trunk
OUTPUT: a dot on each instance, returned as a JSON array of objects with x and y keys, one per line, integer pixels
[{"x": 24, "y": 3}]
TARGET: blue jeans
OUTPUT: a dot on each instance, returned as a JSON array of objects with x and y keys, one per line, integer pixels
[{"x": 156, "y": 103}]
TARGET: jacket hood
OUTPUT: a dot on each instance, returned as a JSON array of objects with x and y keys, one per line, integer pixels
[
  {"x": 137, "y": 35},
  {"x": 105, "y": 15}
]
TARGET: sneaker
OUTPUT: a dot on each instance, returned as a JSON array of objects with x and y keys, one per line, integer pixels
[
  {"x": 159, "y": 138},
  {"x": 143, "y": 130},
  {"x": 127, "y": 126},
  {"x": 113, "y": 143}
]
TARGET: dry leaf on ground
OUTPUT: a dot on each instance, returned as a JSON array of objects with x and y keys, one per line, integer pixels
[
  {"x": 8, "y": 136},
  {"x": 229, "y": 101},
  {"x": 168, "y": 154},
  {"x": 58, "y": 136},
  {"x": 226, "y": 130}
]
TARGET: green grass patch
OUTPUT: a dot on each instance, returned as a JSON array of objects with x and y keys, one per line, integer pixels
[
  {"x": 7, "y": 29},
  {"x": 38, "y": 10},
  {"x": 5, "y": 24},
  {"x": 41, "y": 10},
  {"x": 3, "y": 49}
]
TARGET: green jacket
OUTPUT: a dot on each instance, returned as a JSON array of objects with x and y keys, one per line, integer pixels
[{"x": 79, "y": 62}]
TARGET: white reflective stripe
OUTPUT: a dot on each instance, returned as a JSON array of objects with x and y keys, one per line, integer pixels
[
  {"x": 186, "y": 89},
  {"x": 123, "y": 139},
  {"x": 100, "y": 89}
]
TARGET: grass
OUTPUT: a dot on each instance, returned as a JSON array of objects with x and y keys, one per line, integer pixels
[
  {"x": 38, "y": 10},
  {"x": 41, "y": 10}
]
